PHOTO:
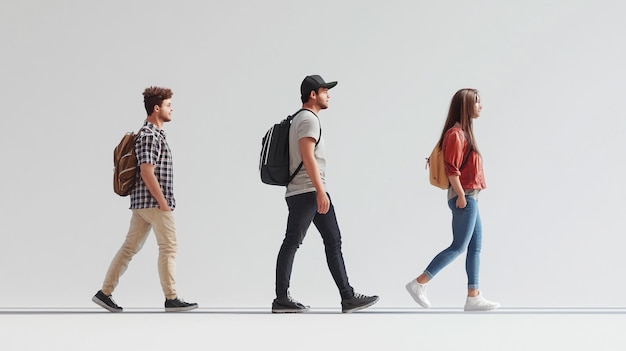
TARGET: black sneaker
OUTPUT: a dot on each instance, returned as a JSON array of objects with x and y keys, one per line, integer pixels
[
  {"x": 106, "y": 302},
  {"x": 178, "y": 305},
  {"x": 357, "y": 302},
  {"x": 288, "y": 305}
]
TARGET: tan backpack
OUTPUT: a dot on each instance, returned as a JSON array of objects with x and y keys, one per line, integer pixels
[
  {"x": 437, "y": 168},
  {"x": 125, "y": 170}
]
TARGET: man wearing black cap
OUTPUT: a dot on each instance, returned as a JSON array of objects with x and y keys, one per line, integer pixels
[{"x": 308, "y": 202}]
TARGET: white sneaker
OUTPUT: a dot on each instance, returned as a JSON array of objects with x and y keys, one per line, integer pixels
[
  {"x": 418, "y": 293},
  {"x": 479, "y": 303}
]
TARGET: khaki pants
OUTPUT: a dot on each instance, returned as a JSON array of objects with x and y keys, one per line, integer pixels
[{"x": 162, "y": 223}]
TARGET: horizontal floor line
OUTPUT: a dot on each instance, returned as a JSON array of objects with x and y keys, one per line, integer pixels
[{"x": 320, "y": 310}]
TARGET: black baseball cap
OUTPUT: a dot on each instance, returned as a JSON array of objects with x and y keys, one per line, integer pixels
[{"x": 314, "y": 82}]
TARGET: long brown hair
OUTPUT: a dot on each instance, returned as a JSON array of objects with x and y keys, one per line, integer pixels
[{"x": 461, "y": 109}]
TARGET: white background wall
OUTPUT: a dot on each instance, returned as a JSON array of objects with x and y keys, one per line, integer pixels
[{"x": 551, "y": 76}]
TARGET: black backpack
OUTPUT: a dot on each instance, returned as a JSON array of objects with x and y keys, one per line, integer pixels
[{"x": 274, "y": 159}]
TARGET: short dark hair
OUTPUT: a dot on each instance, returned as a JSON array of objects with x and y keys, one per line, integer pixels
[
  {"x": 305, "y": 98},
  {"x": 154, "y": 96}
]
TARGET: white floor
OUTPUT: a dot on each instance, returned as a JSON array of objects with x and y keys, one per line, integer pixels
[{"x": 321, "y": 329}]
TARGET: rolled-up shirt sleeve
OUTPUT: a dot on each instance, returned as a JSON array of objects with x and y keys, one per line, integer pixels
[
  {"x": 148, "y": 149},
  {"x": 456, "y": 149},
  {"x": 453, "y": 153},
  {"x": 309, "y": 127}
]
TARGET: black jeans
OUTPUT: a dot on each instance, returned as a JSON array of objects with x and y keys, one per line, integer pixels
[{"x": 303, "y": 211}]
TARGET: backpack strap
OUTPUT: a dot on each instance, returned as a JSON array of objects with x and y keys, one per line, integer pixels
[
  {"x": 462, "y": 163},
  {"x": 317, "y": 142}
]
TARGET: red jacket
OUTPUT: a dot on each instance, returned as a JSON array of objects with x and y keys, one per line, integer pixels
[{"x": 455, "y": 147}]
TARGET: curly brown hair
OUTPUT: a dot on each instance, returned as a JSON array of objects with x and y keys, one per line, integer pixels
[{"x": 154, "y": 96}]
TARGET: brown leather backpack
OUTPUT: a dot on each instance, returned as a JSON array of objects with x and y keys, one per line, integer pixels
[{"x": 125, "y": 170}]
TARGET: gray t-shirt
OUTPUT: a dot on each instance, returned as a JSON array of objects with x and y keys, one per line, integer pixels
[
  {"x": 469, "y": 192},
  {"x": 304, "y": 124}
]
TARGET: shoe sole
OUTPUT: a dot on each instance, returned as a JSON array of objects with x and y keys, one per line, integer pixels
[
  {"x": 180, "y": 309},
  {"x": 360, "y": 307},
  {"x": 481, "y": 309},
  {"x": 419, "y": 302},
  {"x": 290, "y": 310},
  {"x": 101, "y": 303}
]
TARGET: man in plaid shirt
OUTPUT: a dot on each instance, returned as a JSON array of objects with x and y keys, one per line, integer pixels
[{"x": 152, "y": 202}]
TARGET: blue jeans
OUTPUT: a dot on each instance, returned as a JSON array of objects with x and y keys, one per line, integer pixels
[
  {"x": 303, "y": 211},
  {"x": 466, "y": 234}
]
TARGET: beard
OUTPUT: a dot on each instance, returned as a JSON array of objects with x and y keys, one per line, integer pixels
[{"x": 165, "y": 117}]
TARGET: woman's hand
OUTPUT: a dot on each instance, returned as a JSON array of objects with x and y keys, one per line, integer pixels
[{"x": 461, "y": 202}]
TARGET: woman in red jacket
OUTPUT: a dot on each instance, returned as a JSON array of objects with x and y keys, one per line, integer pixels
[{"x": 465, "y": 172}]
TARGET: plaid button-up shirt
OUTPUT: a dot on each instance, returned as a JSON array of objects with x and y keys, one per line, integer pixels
[{"x": 152, "y": 148}]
